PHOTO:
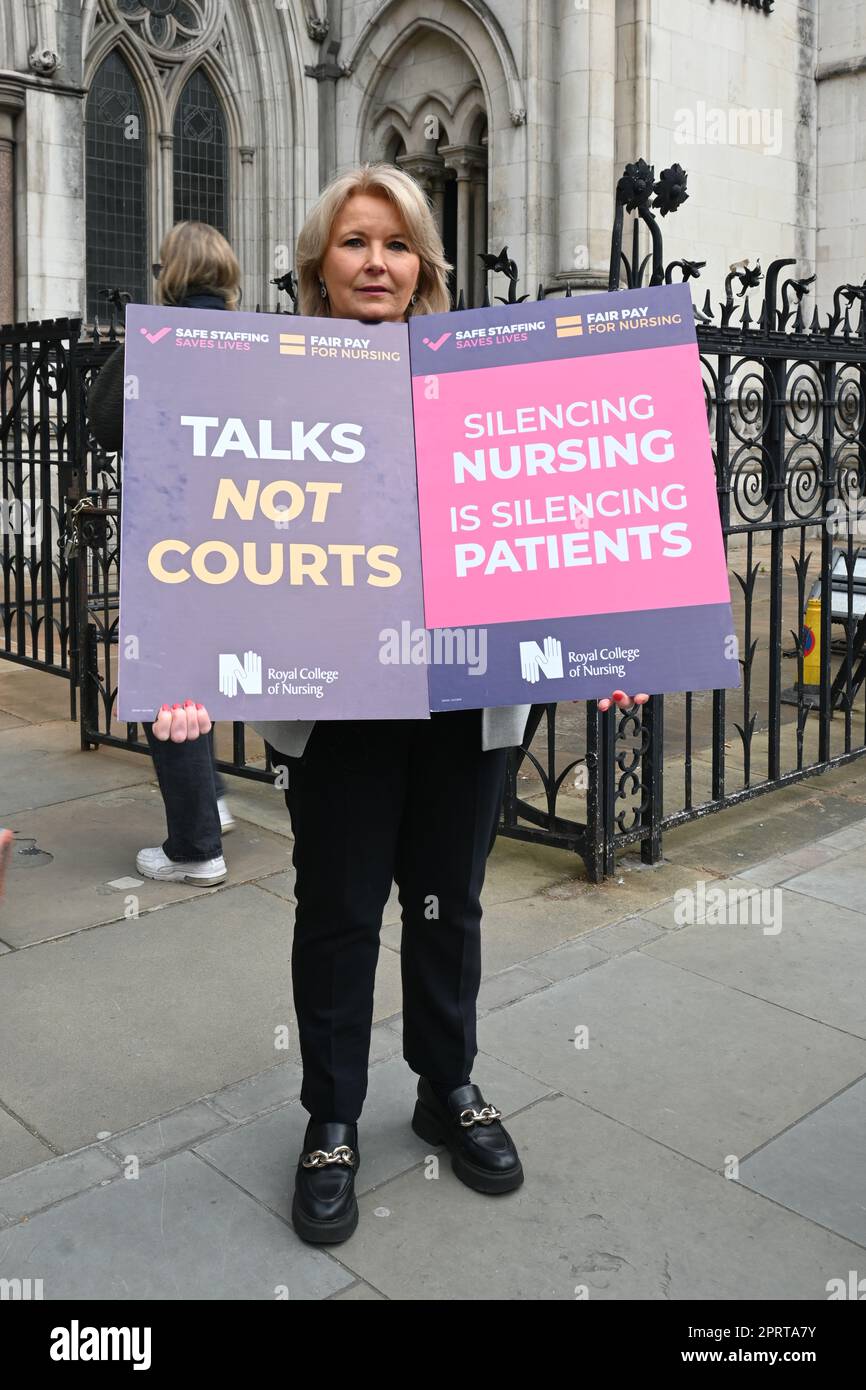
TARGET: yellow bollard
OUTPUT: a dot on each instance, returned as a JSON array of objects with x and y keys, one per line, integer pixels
[{"x": 812, "y": 643}]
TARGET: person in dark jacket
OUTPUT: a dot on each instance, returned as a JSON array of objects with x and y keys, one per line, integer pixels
[
  {"x": 197, "y": 270},
  {"x": 426, "y": 793}
]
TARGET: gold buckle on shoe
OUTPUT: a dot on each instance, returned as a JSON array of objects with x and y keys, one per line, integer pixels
[
  {"x": 318, "y": 1158},
  {"x": 485, "y": 1116}
]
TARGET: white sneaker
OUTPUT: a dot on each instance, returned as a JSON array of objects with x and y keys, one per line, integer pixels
[
  {"x": 155, "y": 863},
  {"x": 227, "y": 820}
]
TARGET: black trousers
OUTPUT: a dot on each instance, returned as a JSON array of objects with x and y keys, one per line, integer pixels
[
  {"x": 373, "y": 802},
  {"x": 190, "y": 785}
]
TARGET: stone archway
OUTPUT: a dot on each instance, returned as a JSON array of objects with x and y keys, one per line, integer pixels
[
  {"x": 439, "y": 124},
  {"x": 449, "y": 87}
]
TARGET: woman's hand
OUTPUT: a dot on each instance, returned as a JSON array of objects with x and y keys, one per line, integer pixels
[
  {"x": 623, "y": 702},
  {"x": 181, "y": 722}
]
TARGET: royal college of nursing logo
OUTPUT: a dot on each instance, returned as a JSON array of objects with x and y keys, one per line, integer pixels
[
  {"x": 535, "y": 659},
  {"x": 233, "y": 673}
]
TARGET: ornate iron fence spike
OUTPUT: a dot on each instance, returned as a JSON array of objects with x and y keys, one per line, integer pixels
[
  {"x": 774, "y": 321},
  {"x": 460, "y": 303},
  {"x": 815, "y": 329},
  {"x": 746, "y": 320}
]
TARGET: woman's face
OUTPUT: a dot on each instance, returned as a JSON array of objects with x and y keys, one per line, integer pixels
[{"x": 369, "y": 246}]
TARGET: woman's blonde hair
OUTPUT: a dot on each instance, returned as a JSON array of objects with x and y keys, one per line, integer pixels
[
  {"x": 196, "y": 257},
  {"x": 408, "y": 197}
]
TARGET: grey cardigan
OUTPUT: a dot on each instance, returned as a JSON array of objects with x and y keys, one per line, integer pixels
[{"x": 502, "y": 727}]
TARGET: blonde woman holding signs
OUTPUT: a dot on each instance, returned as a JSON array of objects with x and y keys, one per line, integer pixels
[{"x": 377, "y": 801}]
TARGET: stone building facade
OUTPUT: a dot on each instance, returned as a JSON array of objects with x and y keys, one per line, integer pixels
[{"x": 517, "y": 116}]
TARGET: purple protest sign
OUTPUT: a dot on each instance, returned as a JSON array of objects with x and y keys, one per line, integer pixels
[
  {"x": 269, "y": 531},
  {"x": 571, "y": 540}
]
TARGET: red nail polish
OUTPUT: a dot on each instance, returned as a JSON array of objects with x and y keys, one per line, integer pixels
[
  {"x": 199, "y": 706},
  {"x": 168, "y": 707},
  {"x": 620, "y": 695},
  {"x": 188, "y": 703},
  {"x": 175, "y": 706}
]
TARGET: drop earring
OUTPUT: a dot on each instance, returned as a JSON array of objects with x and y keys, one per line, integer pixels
[
  {"x": 414, "y": 299},
  {"x": 322, "y": 291}
]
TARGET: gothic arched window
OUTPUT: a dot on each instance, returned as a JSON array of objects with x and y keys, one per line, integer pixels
[
  {"x": 200, "y": 172},
  {"x": 116, "y": 188}
]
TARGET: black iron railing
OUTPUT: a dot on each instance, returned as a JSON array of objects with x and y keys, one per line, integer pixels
[{"x": 786, "y": 407}]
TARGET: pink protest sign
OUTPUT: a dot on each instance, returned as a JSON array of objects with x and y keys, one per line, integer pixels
[{"x": 566, "y": 486}]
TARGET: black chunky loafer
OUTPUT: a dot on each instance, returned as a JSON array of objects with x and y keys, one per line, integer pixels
[
  {"x": 483, "y": 1155},
  {"x": 324, "y": 1207}
]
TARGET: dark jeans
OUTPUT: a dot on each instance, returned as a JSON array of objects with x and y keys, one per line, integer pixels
[
  {"x": 190, "y": 785},
  {"x": 373, "y": 801}
]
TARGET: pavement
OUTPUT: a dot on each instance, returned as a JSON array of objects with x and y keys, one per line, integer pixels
[{"x": 679, "y": 1054}]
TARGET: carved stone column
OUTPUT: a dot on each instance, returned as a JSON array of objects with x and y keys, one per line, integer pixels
[
  {"x": 438, "y": 189},
  {"x": 425, "y": 169},
  {"x": 587, "y": 83},
  {"x": 7, "y": 220},
  {"x": 162, "y": 197},
  {"x": 11, "y": 102},
  {"x": 246, "y": 250},
  {"x": 479, "y": 232},
  {"x": 465, "y": 160}
]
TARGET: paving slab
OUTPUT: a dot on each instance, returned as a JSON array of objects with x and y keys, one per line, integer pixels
[
  {"x": 178, "y": 1232},
  {"x": 358, "y": 1290},
  {"x": 177, "y": 1130},
  {"x": 746, "y": 834},
  {"x": 282, "y": 1083},
  {"x": 603, "y": 1213},
  {"x": 842, "y": 881},
  {"x": 93, "y": 843},
  {"x": 47, "y": 1183},
  {"x": 43, "y": 765},
  {"x": 258, "y": 803},
  {"x": 730, "y": 851},
  {"x": 626, "y": 935},
  {"x": 261, "y": 1156},
  {"x": 256, "y": 1095},
  {"x": 32, "y": 695},
  {"x": 566, "y": 961},
  {"x": 815, "y": 965},
  {"x": 781, "y": 867},
  {"x": 704, "y": 1068},
  {"x": 18, "y": 1147},
  {"x": 854, "y": 837},
  {"x": 817, "y": 1166},
  {"x": 506, "y": 986},
  {"x": 282, "y": 884},
  {"x": 182, "y": 1002},
  {"x": 515, "y": 932}
]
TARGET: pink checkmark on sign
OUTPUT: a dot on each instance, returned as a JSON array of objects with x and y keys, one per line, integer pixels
[
  {"x": 438, "y": 343},
  {"x": 155, "y": 337}
]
